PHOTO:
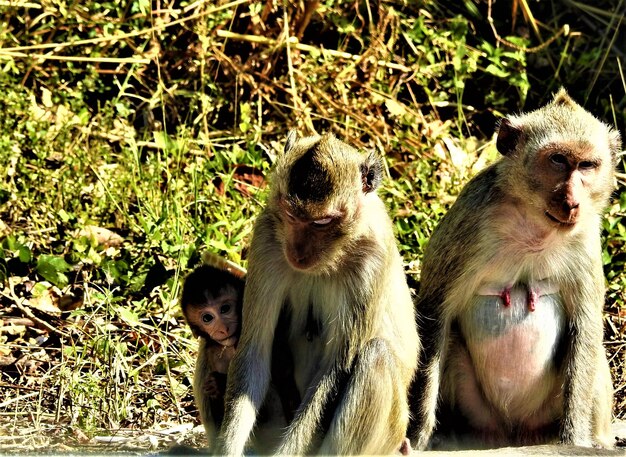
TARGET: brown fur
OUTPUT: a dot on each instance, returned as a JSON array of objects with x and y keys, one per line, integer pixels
[
  {"x": 206, "y": 289},
  {"x": 532, "y": 218},
  {"x": 323, "y": 251}
]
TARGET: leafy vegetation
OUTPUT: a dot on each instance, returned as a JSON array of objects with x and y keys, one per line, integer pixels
[{"x": 136, "y": 135}]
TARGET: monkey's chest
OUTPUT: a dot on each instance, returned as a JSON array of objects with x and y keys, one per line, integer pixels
[
  {"x": 315, "y": 328},
  {"x": 309, "y": 344},
  {"x": 513, "y": 337}
]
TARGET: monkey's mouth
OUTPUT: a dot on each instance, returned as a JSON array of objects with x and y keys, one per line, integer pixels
[
  {"x": 228, "y": 341},
  {"x": 564, "y": 224},
  {"x": 300, "y": 263}
]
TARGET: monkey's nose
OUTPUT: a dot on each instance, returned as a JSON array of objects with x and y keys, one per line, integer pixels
[
  {"x": 570, "y": 205},
  {"x": 299, "y": 259},
  {"x": 221, "y": 327},
  {"x": 571, "y": 210}
]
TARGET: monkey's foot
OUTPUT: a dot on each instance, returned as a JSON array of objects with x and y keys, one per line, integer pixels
[{"x": 405, "y": 447}]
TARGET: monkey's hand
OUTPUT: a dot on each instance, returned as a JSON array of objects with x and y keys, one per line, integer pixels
[{"x": 215, "y": 385}]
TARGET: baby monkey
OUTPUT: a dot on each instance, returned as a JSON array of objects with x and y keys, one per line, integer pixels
[{"x": 211, "y": 303}]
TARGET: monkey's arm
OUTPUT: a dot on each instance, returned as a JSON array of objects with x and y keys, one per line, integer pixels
[
  {"x": 299, "y": 435},
  {"x": 204, "y": 402},
  {"x": 248, "y": 381},
  {"x": 424, "y": 390},
  {"x": 215, "y": 385},
  {"x": 249, "y": 371},
  {"x": 446, "y": 256},
  {"x": 584, "y": 301},
  {"x": 216, "y": 396}
]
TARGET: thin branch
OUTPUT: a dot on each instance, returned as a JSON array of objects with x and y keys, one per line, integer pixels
[
  {"x": 564, "y": 31},
  {"x": 18, "y": 4},
  {"x": 4, "y": 54},
  {"x": 295, "y": 44}
]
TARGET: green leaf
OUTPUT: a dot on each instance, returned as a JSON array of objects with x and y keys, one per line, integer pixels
[
  {"x": 52, "y": 268},
  {"x": 163, "y": 141},
  {"x": 24, "y": 254},
  {"x": 128, "y": 316},
  {"x": 491, "y": 68}
]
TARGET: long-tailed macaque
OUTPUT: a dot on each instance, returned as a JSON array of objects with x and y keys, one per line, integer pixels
[
  {"x": 323, "y": 252},
  {"x": 211, "y": 304},
  {"x": 512, "y": 291}
]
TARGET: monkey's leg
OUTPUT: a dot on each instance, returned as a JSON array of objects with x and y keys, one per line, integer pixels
[
  {"x": 373, "y": 414},
  {"x": 463, "y": 397}
]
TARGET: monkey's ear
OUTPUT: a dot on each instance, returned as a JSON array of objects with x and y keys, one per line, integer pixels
[
  {"x": 292, "y": 136},
  {"x": 561, "y": 98},
  {"x": 371, "y": 172},
  {"x": 615, "y": 145},
  {"x": 509, "y": 136}
]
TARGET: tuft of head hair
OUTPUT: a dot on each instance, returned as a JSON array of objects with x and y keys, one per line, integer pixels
[
  {"x": 310, "y": 178},
  {"x": 207, "y": 279},
  {"x": 292, "y": 136},
  {"x": 371, "y": 172},
  {"x": 563, "y": 99},
  {"x": 562, "y": 119},
  {"x": 315, "y": 168}
]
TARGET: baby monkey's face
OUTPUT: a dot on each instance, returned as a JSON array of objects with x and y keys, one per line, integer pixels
[{"x": 217, "y": 317}]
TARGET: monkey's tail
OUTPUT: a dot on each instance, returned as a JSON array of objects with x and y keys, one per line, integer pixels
[{"x": 217, "y": 261}]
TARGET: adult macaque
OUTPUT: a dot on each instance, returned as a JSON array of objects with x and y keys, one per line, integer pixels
[
  {"x": 512, "y": 291},
  {"x": 323, "y": 252},
  {"x": 211, "y": 303}
]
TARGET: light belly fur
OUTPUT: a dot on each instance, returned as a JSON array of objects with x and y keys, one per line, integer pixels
[{"x": 513, "y": 348}]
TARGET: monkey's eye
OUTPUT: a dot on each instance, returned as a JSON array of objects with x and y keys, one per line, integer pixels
[
  {"x": 225, "y": 309},
  {"x": 322, "y": 222},
  {"x": 587, "y": 165},
  {"x": 558, "y": 159},
  {"x": 206, "y": 318}
]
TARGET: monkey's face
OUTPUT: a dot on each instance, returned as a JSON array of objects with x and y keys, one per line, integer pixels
[
  {"x": 567, "y": 177},
  {"x": 311, "y": 239},
  {"x": 561, "y": 162},
  {"x": 321, "y": 186},
  {"x": 216, "y": 317}
]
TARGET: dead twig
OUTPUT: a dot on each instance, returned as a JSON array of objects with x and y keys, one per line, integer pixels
[{"x": 19, "y": 303}]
